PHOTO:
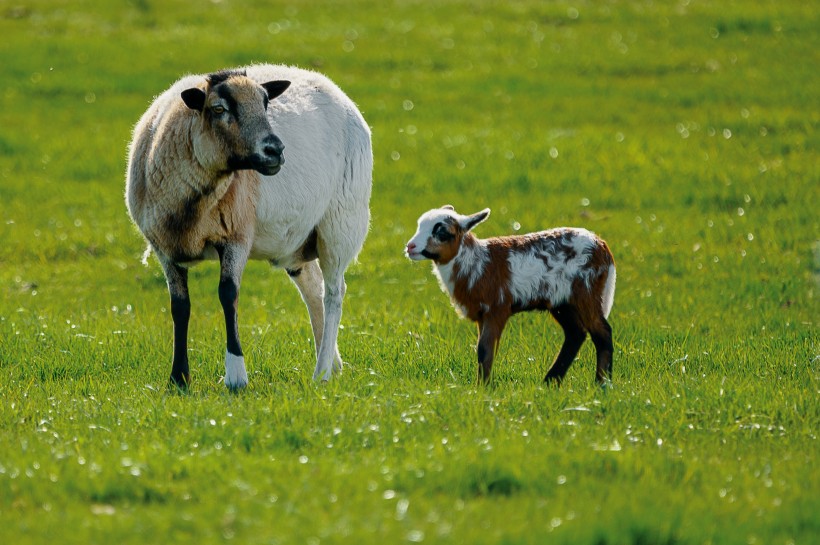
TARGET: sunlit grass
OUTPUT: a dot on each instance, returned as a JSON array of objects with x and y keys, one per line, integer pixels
[{"x": 682, "y": 132}]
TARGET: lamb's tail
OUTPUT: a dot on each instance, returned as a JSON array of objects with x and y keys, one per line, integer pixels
[
  {"x": 609, "y": 292},
  {"x": 146, "y": 254}
]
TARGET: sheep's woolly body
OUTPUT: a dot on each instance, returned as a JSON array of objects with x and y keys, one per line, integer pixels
[{"x": 325, "y": 184}]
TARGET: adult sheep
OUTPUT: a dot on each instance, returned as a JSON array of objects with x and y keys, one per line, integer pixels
[{"x": 204, "y": 182}]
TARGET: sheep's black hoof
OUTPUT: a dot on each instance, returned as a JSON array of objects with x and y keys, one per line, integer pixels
[
  {"x": 179, "y": 383},
  {"x": 552, "y": 380},
  {"x": 605, "y": 385}
]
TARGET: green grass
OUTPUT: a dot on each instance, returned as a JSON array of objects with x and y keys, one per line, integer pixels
[{"x": 685, "y": 133}]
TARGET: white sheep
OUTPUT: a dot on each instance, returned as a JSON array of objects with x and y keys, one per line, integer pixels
[
  {"x": 204, "y": 182},
  {"x": 569, "y": 272}
]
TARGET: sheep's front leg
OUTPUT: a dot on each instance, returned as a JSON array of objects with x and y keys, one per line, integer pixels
[
  {"x": 232, "y": 258},
  {"x": 489, "y": 335},
  {"x": 177, "y": 279}
]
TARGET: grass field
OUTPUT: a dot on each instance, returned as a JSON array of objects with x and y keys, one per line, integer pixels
[{"x": 684, "y": 132}]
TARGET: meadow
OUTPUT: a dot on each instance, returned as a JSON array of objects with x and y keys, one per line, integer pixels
[{"x": 684, "y": 132}]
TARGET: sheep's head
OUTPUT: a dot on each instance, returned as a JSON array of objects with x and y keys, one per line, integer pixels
[
  {"x": 440, "y": 232},
  {"x": 236, "y": 132}
]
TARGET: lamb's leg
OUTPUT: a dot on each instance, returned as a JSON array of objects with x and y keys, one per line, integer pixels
[
  {"x": 232, "y": 258},
  {"x": 602, "y": 338},
  {"x": 489, "y": 335},
  {"x": 574, "y": 336},
  {"x": 177, "y": 279},
  {"x": 309, "y": 282}
]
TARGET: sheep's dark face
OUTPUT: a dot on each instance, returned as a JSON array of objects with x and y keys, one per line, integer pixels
[
  {"x": 236, "y": 132},
  {"x": 440, "y": 232}
]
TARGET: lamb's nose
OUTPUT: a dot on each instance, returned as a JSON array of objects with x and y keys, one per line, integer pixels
[{"x": 410, "y": 246}]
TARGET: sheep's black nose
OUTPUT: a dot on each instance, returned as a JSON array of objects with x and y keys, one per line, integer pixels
[
  {"x": 273, "y": 151},
  {"x": 273, "y": 147}
]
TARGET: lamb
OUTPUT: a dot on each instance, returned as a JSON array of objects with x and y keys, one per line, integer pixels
[
  {"x": 207, "y": 179},
  {"x": 569, "y": 272}
]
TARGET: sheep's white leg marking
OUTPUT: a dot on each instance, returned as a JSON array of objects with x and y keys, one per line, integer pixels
[
  {"x": 235, "y": 374},
  {"x": 233, "y": 258}
]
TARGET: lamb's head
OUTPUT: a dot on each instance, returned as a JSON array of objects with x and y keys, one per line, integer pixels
[
  {"x": 440, "y": 233},
  {"x": 235, "y": 132}
]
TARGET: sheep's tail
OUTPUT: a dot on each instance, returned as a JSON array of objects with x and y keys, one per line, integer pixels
[
  {"x": 609, "y": 292},
  {"x": 146, "y": 254}
]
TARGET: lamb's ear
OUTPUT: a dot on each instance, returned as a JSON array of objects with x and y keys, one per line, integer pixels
[
  {"x": 276, "y": 88},
  {"x": 471, "y": 221},
  {"x": 447, "y": 207},
  {"x": 194, "y": 98}
]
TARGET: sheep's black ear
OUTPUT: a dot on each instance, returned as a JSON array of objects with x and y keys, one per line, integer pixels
[
  {"x": 276, "y": 88},
  {"x": 471, "y": 221},
  {"x": 194, "y": 98}
]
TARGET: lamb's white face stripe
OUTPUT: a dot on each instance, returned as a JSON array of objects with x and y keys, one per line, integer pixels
[{"x": 543, "y": 272}]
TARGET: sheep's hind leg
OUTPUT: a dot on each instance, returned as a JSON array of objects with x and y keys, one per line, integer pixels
[
  {"x": 340, "y": 235},
  {"x": 574, "y": 336},
  {"x": 177, "y": 280},
  {"x": 308, "y": 280},
  {"x": 328, "y": 349},
  {"x": 232, "y": 258},
  {"x": 333, "y": 260}
]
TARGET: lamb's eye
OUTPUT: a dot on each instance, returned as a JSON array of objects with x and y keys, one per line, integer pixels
[
  {"x": 218, "y": 109},
  {"x": 441, "y": 232}
]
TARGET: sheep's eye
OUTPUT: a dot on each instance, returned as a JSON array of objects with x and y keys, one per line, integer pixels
[{"x": 218, "y": 109}]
